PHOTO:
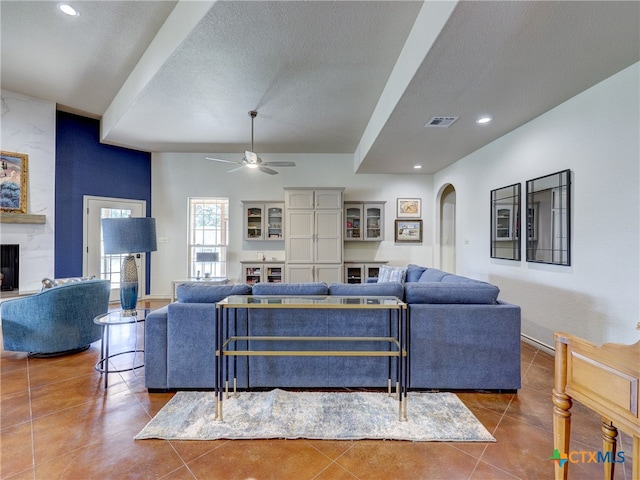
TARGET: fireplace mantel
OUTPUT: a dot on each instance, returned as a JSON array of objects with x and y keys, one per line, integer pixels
[{"x": 22, "y": 218}]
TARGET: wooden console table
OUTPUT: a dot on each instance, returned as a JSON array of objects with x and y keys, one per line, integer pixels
[{"x": 605, "y": 379}]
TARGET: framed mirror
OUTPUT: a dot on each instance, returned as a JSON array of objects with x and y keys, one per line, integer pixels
[
  {"x": 505, "y": 222},
  {"x": 548, "y": 219}
]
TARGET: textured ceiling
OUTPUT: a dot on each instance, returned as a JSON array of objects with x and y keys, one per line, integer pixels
[{"x": 361, "y": 78}]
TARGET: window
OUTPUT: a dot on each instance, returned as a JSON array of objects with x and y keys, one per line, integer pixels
[
  {"x": 208, "y": 237},
  {"x": 110, "y": 265}
]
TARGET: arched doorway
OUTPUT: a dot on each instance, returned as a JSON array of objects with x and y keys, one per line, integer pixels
[{"x": 447, "y": 238}]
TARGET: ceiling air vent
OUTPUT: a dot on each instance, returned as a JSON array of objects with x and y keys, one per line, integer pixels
[{"x": 443, "y": 122}]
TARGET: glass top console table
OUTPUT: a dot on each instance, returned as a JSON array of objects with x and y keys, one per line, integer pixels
[{"x": 229, "y": 344}]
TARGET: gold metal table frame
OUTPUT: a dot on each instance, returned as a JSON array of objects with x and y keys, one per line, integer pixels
[{"x": 225, "y": 346}]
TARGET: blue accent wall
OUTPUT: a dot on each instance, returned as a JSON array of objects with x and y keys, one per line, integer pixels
[{"x": 84, "y": 166}]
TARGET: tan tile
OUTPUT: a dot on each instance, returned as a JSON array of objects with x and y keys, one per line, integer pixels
[
  {"x": 68, "y": 393},
  {"x": 521, "y": 450},
  {"x": 335, "y": 472},
  {"x": 533, "y": 407},
  {"x": 14, "y": 381},
  {"x": 116, "y": 457},
  {"x": 16, "y": 454},
  {"x": 14, "y": 409},
  {"x": 268, "y": 459},
  {"x": 89, "y": 424},
  {"x": 332, "y": 448},
  {"x": 484, "y": 471},
  {"x": 539, "y": 378},
  {"x": 406, "y": 460},
  {"x": 189, "y": 450}
]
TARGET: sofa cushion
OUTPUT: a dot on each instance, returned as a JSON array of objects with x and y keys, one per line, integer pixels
[
  {"x": 432, "y": 275},
  {"x": 389, "y": 289},
  {"x": 311, "y": 288},
  {"x": 474, "y": 292},
  {"x": 203, "y": 293},
  {"x": 414, "y": 272},
  {"x": 392, "y": 274}
]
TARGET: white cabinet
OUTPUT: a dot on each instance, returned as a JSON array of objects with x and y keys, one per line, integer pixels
[
  {"x": 255, "y": 272},
  {"x": 313, "y": 240},
  {"x": 504, "y": 222},
  {"x": 359, "y": 272},
  {"x": 263, "y": 221},
  {"x": 313, "y": 199},
  {"x": 363, "y": 221}
]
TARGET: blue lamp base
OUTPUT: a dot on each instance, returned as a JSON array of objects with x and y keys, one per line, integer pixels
[{"x": 129, "y": 286}]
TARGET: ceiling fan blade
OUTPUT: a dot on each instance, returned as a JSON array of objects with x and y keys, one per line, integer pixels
[
  {"x": 267, "y": 170},
  {"x": 235, "y": 169},
  {"x": 280, "y": 164},
  {"x": 222, "y": 160}
]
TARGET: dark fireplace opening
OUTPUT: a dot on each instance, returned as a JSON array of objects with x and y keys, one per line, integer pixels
[{"x": 9, "y": 267}]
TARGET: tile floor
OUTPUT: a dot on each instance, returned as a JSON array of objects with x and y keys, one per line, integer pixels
[{"x": 58, "y": 422}]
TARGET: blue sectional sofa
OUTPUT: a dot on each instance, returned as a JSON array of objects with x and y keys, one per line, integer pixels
[{"x": 461, "y": 336}]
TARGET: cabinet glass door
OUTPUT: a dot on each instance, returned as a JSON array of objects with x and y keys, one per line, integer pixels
[
  {"x": 503, "y": 223},
  {"x": 252, "y": 274},
  {"x": 372, "y": 271},
  {"x": 353, "y": 217},
  {"x": 373, "y": 218},
  {"x": 353, "y": 273},
  {"x": 274, "y": 223},
  {"x": 274, "y": 273},
  {"x": 254, "y": 223}
]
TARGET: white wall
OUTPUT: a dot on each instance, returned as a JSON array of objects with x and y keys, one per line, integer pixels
[
  {"x": 596, "y": 135},
  {"x": 177, "y": 176},
  {"x": 29, "y": 126}
]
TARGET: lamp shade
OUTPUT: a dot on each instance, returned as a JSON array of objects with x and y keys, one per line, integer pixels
[
  {"x": 207, "y": 257},
  {"x": 129, "y": 235}
]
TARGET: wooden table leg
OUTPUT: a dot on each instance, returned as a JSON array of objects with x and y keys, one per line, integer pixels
[
  {"x": 561, "y": 414},
  {"x": 609, "y": 434},
  {"x": 635, "y": 475}
]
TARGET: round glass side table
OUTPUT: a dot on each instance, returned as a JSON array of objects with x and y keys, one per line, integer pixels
[{"x": 111, "y": 319}]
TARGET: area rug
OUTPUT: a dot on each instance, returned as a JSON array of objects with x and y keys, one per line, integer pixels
[{"x": 316, "y": 415}]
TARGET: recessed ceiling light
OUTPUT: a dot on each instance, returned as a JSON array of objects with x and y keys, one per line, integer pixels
[
  {"x": 68, "y": 10},
  {"x": 417, "y": 167},
  {"x": 484, "y": 120}
]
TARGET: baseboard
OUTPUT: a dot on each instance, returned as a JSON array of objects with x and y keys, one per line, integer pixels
[{"x": 538, "y": 344}]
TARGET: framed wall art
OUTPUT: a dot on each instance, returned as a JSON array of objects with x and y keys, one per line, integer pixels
[
  {"x": 409, "y": 208},
  {"x": 13, "y": 182},
  {"x": 408, "y": 231}
]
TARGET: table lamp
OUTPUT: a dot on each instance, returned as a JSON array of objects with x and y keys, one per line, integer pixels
[
  {"x": 129, "y": 235},
  {"x": 206, "y": 257}
]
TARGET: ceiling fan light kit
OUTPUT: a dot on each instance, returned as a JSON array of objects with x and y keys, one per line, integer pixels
[{"x": 251, "y": 159}]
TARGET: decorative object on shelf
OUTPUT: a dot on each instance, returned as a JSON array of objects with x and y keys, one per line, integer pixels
[
  {"x": 409, "y": 231},
  {"x": 252, "y": 160},
  {"x": 505, "y": 222},
  {"x": 13, "y": 182},
  {"x": 548, "y": 219},
  {"x": 409, "y": 208},
  {"x": 129, "y": 236}
]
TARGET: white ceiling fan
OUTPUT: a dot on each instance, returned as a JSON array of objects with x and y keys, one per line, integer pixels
[{"x": 252, "y": 160}]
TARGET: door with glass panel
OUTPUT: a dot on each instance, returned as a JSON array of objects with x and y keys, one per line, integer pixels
[{"x": 95, "y": 262}]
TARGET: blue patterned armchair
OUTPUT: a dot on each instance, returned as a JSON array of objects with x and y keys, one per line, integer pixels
[{"x": 56, "y": 320}]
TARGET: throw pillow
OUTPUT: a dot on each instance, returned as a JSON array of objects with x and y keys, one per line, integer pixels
[{"x": 392, "y": 274}]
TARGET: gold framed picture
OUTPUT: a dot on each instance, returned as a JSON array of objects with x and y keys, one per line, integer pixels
[
  {"x": 14, "y": 170},
  {"x": 409, "y": 208}
]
